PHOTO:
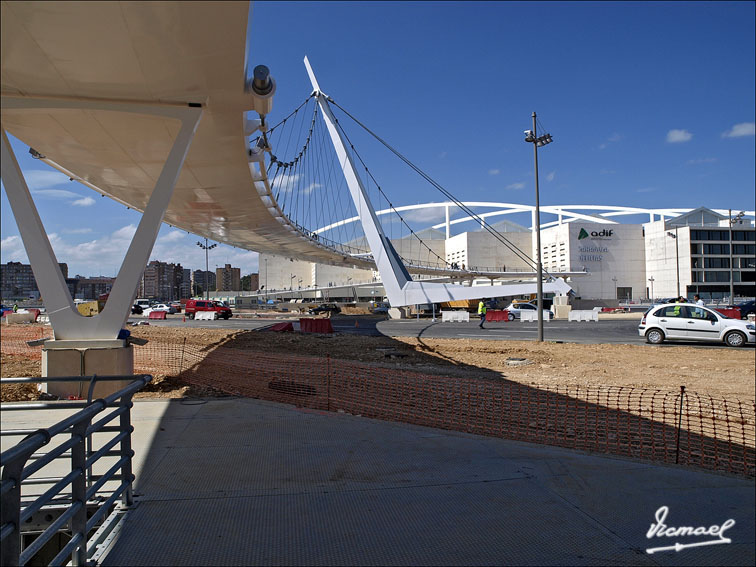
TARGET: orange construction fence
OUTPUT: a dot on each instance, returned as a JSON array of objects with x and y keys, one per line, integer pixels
[{"x": 664, "y": 426}]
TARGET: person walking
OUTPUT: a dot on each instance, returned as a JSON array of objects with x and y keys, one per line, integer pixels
[
  {"x": 698, "y": 300},
  {"x": 482, "y": 312}
]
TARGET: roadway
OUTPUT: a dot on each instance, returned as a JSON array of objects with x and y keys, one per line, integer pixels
[{"x": 620, "y": 331}]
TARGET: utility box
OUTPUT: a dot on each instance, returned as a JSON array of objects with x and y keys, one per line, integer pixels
[{"x": 85, "y": 358}]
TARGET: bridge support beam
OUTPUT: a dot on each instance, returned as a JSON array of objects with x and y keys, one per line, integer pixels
[{"x": 67, "y": 323}]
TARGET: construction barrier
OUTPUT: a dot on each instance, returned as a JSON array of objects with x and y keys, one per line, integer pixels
[
  {"x": 315, "y": 325},
  {"x": 731, "y": 312},
  {"x": 583, "y": 315},
  {"x": 157, "y": 315},
  {"x": 658, "y": 425},
  {"x": 494, "y": 315},
  {"x": 531, "y": 316},
  {"x": 455, "y": 317},
  {"x": 205, "y": 316}
]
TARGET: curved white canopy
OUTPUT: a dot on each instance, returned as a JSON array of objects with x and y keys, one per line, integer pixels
[{"x": 172, "y": 53}]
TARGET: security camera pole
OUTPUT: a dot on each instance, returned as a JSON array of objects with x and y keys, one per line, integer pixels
[{"x": 538, "y": 141}]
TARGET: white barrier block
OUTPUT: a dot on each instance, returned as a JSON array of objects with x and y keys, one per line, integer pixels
[
  {"x": 532, "y": 316},
  {"x": 455, "y": 317},
  {"x": 583, "y": 315},
  {"x": 12, "y": 318},
  {"x": 205, "y": 316}
]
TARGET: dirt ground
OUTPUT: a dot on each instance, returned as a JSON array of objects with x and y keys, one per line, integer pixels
[{"x": 728, "y": 373}]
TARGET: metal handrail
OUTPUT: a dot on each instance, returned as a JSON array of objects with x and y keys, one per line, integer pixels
[{"x": 84, "y": 485}]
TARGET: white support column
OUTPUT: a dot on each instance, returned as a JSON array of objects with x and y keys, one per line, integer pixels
[
  {"x": 448, "y": 224},
  {"x": 399, "y": 286},
  {"x": 66, "y": 321}
]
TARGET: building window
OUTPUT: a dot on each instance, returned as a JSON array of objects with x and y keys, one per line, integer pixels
[
  {"x": 716, "y": 248},
  {"x": 716, "y": 263},
  {"x": 712, "y": 276},
  {"x": 749, "y": 249}
]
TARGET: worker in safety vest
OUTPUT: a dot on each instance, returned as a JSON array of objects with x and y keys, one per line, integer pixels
[{"x": 482, "y": 312}]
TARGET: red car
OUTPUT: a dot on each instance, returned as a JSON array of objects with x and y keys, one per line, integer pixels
[{"x": 195, "y": 305}]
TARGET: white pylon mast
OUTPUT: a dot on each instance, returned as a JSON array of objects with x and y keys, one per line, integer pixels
[{"x": 400, "y": 288}]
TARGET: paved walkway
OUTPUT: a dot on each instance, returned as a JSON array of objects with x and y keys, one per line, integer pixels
[{"x": 249, "y": 482}]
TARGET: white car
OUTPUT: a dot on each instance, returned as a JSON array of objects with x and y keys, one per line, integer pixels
[
  {"x": 514, "y": 310},
  {"x": 689, "y": 322},
  {"x": 157, "y": 307}
]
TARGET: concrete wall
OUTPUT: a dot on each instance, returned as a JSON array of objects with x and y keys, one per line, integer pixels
[{"x": 661, "y": 258}]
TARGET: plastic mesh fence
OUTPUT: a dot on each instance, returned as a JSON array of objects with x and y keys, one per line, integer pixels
[{"x": 664, "y": 426}]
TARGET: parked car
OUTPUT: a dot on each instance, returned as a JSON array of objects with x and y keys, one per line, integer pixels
[
  {"x": 195, "y": 305},
  {"x": 325, "y": 308},
  {"x": 136, "y": 309},
  {"x": 515, "y": 309},
  {"x": 688, "y": 322},
  {"x": 176, "y": 305},
  {"x": 156, "y": 307},
  {"x": 379, "y": 307},
  {"x": 746, "y": 308}
]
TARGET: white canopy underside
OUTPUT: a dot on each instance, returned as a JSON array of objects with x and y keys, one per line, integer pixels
[{"x": 155, "y": 53}]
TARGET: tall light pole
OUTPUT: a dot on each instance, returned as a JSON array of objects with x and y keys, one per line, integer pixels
[
  {"x": 614, "y": 279},
  {"x": 205, "y": 247},
  {"x": 733, "y": 221},
  {"x": 651, "y": 279},
  {"x": 538, "y": 141},
  {"x": 677, "y": 259}
]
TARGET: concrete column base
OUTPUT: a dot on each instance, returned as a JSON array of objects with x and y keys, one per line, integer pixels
[{"x": 85, "y": 358}]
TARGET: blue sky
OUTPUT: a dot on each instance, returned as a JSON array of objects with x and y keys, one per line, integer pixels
[{"x": 649, "y": 104}]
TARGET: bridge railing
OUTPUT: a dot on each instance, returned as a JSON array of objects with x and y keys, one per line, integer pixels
[{"x": 74, "y": 485}]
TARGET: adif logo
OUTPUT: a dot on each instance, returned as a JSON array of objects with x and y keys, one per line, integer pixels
[{"x": 604, "y": 233}]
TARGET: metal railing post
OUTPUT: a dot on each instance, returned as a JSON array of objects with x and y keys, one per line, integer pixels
[
  {"x": 126, "y": 452},
  {"x": 10, "y": 511},
  {"x": 79, "y": 492}
]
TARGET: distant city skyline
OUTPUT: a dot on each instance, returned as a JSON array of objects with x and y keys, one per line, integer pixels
[{"x": 649, "y": 104}]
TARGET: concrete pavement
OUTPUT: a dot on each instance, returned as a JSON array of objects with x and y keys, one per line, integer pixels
[{"x": 249, "y": 482}]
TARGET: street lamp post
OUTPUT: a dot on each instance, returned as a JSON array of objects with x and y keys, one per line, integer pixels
[
  {"x": 677, "y": 259},
  {"x": 205, "y": 247},
  {"x": 732, "y": 222},
  {"x": 614, "y": 279},
  {"x": 537, "y": 141},
  {"x": 651, "y": 279}
]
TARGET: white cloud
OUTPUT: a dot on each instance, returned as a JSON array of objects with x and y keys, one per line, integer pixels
[
  {"x": 38, "y": 179},
  {"x": 76, "y": 231},
  {"x": 493, "y": 172},
  {"x": 173, "y": 236},
  {"x": 615, "y": 137},
  {"x": 56, "y": 193},
  {"x": 424, "y": 215},
  {"x": 676, "y": 136},
  {"x": 84, "y": 202},
  {"x": 550, "y": 176},
  {"x": 740, "y": 130},
  {"x": 701, "y": 160},
  {"x": 12, "y": 250},
  {"x": 515, "y": 186}
]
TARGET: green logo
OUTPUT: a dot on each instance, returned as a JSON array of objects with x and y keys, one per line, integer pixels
[{"x": 583, "y": 234}]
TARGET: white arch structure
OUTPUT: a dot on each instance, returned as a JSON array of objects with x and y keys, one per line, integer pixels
[{"x": 566, "y": 213}]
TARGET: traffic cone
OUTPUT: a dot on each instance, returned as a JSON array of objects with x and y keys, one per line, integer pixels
[{"x": 183, "y": 319}]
